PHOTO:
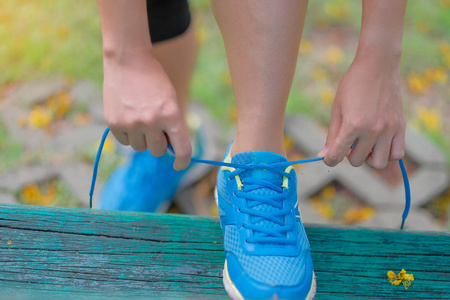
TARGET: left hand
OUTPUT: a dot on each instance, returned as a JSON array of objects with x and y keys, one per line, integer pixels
[{"x": 368, "y": 110}]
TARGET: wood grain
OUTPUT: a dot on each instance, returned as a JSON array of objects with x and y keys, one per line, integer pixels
[{"x": 81, "y": 253}]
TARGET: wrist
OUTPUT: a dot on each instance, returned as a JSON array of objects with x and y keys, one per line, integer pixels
[
  {"x": 380, "y": 55},
  {"x": 123, "y": 54}
]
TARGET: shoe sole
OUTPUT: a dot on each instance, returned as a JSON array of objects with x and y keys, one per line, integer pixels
[
  {"x": 231, "y": 289},
  {"x": 234, "y": 293}
]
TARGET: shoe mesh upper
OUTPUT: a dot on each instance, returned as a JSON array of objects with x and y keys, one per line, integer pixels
[{"x": 274, "y": 270}]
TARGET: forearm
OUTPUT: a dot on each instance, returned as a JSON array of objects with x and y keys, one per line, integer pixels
[
  {"x": 382, "y": 30},
  {"x": 124, "y": 26}
]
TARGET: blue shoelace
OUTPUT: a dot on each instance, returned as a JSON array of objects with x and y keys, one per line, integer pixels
[
  {"x": 262, "y": 234},
  {"x": 278, "y": 234}
]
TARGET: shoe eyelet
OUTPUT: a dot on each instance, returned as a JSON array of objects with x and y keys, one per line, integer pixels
[
  {"x": 239, "y": 209},
  {"x": 234, "y": 194}
]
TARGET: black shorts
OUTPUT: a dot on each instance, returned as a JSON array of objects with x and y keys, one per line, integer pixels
[{"x": 167, "y": 18}]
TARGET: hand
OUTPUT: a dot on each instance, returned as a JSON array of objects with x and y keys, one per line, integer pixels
[
  {"x": 140, "y": 106},
  {"x": 367, "y": 110}
]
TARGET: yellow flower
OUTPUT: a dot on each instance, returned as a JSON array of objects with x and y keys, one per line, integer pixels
[
  {"x": 431, "y": 118},
  {"x": 446, "y": 61},
  {"x": 289, "y": 143},
  {"x": 63, "y": 32},
  {"x": 445, "y": 3},
  {"x": 297, "y": 156},
  {"x": 442, "y": 205},
  {"x": 50, "y": 196},
  {"x": 445, "y": 51},
  {"x": 327, "y": 96},
  {"x": 225, "y": 78},
  {"x": 402, "y": 277},
  {"x": 31, "y": 194},
  {"x": 445, "y": 48},
  {"x": 334, "y": 55},
  {"x": 337, "y": 10},
  {"x": 306, "y": 47},
  {"x": 233, "y": 113},
  {"x": 324, "y": 209},
  {"x": 438, "y": 75},
  {"x": 391, "y": 275},
  {"x": 108, "y": 146},
  {"x": 59, "y": 104},
  {"x": 354, "y": 215},
  {"x": 40, "y": 117},
  {"x": 328, "y": 192},
  {"x": 417, "y": 84},
  {"x": 422, "y": 26},
  {"x": 213, "y": 211},
  {"x": 319, "y": 74},
  {"x": 201, "y": 35}
]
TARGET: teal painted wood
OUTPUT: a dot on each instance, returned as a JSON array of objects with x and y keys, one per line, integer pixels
[{"x": 80, "y": 253}]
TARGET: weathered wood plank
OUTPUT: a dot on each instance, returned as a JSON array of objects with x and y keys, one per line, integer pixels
[{"x": 73, "y": 253}]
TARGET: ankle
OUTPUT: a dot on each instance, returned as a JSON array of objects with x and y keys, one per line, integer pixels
[{"x": 251, "y": 144}]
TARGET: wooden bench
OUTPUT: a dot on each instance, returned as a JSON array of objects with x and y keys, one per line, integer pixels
[{"x": 79, "y": 253}]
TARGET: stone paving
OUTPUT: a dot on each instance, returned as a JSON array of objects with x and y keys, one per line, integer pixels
[
  {"x": 61, "y": 147},
  {"x": 429, "y": 179}
]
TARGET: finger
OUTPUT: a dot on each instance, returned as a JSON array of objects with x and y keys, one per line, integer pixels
[
  {"x": 361, "y": 151},
  {"x": 137, "y": 141},
  {"x": 156, "y": 143},
  {"x": 379, "y": 157},
  {"x": 339, "y": 148},
  {"x": 121, "y": 137},
  {"x": 179, "y": 139},
  {"x": 333, "y": 131},
  {"x": 398, "y": 146}
]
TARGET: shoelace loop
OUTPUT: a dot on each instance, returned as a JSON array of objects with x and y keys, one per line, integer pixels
[
  {"x": 240, "y": 168},
  {"x": 262, "y": 234}
]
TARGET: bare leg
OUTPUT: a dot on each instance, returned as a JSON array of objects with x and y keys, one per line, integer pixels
[
  {"x": 261, "y": 38},
  {"x": 177, "y": 57}
]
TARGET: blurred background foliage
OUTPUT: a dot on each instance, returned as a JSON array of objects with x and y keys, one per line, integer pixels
[
  {"x": 43, "y": 38},
  {"x": 47, "y": 38}
]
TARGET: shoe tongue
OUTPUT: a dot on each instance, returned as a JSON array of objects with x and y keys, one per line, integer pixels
[{"x": 259, "y": 157}]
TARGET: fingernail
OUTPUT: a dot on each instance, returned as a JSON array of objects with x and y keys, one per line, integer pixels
[{"x": 323, "y": 152}]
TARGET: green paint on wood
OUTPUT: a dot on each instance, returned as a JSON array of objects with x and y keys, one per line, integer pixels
[{"x": 73, "y": 253}]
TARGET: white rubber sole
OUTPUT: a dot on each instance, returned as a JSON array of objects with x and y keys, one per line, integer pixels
[{"x": 234, "y": 293}]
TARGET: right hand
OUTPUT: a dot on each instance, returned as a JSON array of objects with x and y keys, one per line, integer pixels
[{"x": 141, "y": 109}]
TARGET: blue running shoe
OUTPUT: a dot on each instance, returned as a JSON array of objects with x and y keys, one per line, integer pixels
[
  {"x": 144, "y": 183},
  {"x": 267, "y": 253}
]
